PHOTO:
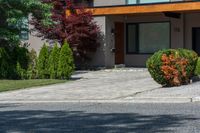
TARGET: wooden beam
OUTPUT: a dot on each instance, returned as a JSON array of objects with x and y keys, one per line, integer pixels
[{"x": 149, "y": 8}]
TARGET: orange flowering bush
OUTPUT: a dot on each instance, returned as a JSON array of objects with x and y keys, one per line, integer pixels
[{"x": 172, "y": 67}]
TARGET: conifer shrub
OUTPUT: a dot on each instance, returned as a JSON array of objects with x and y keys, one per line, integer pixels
[
  {"x": 10, "y": 58},
  {"x": 21, "y": 73},
  {"x": 42, "y": 63},
  {"x": 53, "y": 62},
  {"x": 66, "y": 62},
  {"x": 4, "y": 63},
  {"x": 172, "y": 67},
  {"x": 32, "y": 65},
  {"x": 20, "y": 54}
]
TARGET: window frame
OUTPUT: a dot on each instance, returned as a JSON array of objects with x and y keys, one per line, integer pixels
[{"x": 138, "y": 36}]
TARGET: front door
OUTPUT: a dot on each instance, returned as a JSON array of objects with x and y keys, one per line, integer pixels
[
  {"x": 196, "y": 40},
  {"x": 119, "y": 43}
]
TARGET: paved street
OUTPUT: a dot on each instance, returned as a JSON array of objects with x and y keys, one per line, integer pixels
[
  {"x": 133, "y": 85},
  {"x": 99, "y": 118}
]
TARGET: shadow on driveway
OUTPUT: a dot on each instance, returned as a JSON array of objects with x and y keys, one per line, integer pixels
[{"x": 81, "y": 122}]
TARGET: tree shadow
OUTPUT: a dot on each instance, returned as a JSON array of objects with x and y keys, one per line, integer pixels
[
  {"x": 5, "y": 105},
  {"x": 37, "y": 121}
]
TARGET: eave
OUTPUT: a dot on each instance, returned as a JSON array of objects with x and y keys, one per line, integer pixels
[{"x": 147, "y": 8}]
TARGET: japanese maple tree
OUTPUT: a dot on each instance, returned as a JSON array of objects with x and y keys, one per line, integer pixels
[{"x": 74, "y": 24}]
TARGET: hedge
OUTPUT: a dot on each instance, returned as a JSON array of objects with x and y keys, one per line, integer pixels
[{"x": 172, "y": 67}]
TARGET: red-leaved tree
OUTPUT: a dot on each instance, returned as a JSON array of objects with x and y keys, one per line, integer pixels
[{"x": 77, "y": 27}]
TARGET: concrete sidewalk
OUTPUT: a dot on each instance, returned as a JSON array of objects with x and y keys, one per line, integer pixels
[{"x": 115, "y": 85}]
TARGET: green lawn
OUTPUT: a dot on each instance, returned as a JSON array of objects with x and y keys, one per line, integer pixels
[{"x": 8, "y": 85}]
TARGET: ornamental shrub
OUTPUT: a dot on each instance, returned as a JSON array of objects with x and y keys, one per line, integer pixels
[
  {"x": 21, "y": 73},
  {"x": 172, "y": 67},
  {"x": 66, "y": 62},
  {"x": 53, "y": 62},
  {"x": 19, "y": 62},
  {"x": 20, "y": 54},
  {"x": 32, "y": 65},
  {"x": 11, "y": 59},
  {"x": 42, "y": 63},
  {"x": 4, "y": 63},
  {"x": 197, "y": 70}
]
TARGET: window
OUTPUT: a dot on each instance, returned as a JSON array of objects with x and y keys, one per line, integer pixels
[
  {"x": 132, "y": 1},
  {"x": 147, "y": 38},
  {"x": 132, "y": 38},
  {"x": 22, "y": 27},
  {"x": 24, "y": 34}
]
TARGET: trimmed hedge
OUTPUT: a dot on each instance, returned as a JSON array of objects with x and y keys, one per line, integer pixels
[
  {"x": 11, "y": 59},
  {"x": 32, "y": 65},
  {"x": 4, "y": 63},
  {"x": 42, "y": 63},
  {"x": 66, "y": 62},
  {"x": 197, "y": 70},
  {"x": 53, "y": 61},
  {"x": 18, "y": 63},
  {"x": 172, "y": 67}
]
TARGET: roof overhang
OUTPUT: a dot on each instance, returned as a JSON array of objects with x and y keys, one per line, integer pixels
[{"x": 147, "y": 8}]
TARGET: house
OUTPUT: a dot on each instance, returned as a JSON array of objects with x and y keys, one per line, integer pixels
[{"x": 134, "y": 29}]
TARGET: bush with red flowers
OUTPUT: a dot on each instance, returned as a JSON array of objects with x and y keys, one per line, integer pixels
[{"x": 172, "y": 67}]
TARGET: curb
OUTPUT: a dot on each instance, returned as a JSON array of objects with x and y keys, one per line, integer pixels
[
  {"x": 133, "y": 100},
  {"x": 161, "y": 100},
  {"x": 196, "y": 99}
]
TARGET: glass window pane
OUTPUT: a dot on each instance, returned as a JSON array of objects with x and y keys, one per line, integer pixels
[
  {"x": 153, "y": 37},
  {"x": 24, "y": 35},
  {"x": 131, "y": 1},
  {"x": 132, "y": 38}
]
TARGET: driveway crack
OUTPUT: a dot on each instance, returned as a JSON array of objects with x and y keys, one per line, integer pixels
[{"x": 135, "y": 94}]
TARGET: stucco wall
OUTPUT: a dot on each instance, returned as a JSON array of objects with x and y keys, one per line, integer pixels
[
  {"x": 34, "y": 41},
  {"x": 109, "y": 2},
  {"x": 98, "y": 58},
  {"x": 191, "y": 20},
  {"x": 117, "y": 2}
]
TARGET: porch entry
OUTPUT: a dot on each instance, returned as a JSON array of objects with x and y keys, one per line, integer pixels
[
  {"x": 119, "y": 43},
  {"x": 196, "y": 40}
]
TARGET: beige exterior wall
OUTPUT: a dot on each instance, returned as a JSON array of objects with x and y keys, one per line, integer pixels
[
  {"x": 192, "y": 20},
  {"x": 34, "y": 41},
  {"x": 98, "y": 58},
  {"x": 118, "y": 2},
  {"x": 109, "y": 2}
]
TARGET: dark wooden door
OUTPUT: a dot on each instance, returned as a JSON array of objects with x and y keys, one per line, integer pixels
[
  {"x": 119, "y": 43},
  {"x": 196, "y": 40}
]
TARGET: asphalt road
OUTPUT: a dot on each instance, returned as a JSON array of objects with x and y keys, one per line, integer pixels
[{"x": 99, "y": 118}]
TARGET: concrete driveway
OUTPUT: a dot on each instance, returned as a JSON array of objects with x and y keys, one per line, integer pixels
[
  {"x": 114, "y": 85},
  {"x": 90, "y": 85}
]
